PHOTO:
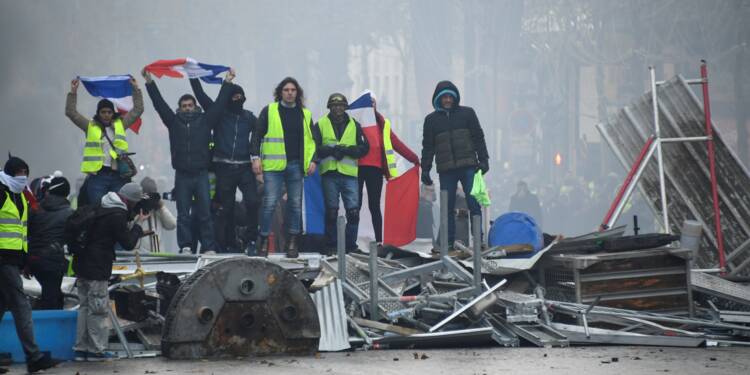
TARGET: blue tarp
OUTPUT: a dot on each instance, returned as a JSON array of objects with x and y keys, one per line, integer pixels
[{"x": 514, "y": 228}]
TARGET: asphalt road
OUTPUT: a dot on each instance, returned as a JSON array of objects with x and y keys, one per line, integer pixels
[{"x": 527, "y": 361}]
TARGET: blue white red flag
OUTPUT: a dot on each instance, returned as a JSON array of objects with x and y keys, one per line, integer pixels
[
  {"x": 117, "y": 89},
  {"x": 180, "y": 68}
]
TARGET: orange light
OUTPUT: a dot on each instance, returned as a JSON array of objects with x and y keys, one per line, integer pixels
[{"x": 558, "y": 159}]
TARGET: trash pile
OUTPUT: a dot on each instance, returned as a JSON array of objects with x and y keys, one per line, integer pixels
[{"x": 603, "y": 288}]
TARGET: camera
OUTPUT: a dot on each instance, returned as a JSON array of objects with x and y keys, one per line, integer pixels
[{"x": 150, "y": 203}]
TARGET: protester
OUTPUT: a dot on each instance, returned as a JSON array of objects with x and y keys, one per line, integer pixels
[
  {"x": 105, "y": 140},
  {"x": 14, "y": 211},
  {"x": 527, "y": 202},
  {"x": 283, "y": 151},
  {"x": 93, "y": 266},
  {"x": 341, "y": 145},
  {"x": 232, "y": 166},
  {"x": 379, "y": 162},
  {"x": 46, "y": 239},
  {"x": 453, "y": 138},
  {"x": 189, "y": 137},
  {"x": 161, "y": 217}
]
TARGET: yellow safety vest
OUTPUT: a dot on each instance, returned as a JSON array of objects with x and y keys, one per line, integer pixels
[
  {"x": 13, "y": 227},
  {"x": 346, "y": 166},
  {"x": 390, "y": 154},
  {"x": 272, "y": 149},
  {"x": 93, "y": 153}
]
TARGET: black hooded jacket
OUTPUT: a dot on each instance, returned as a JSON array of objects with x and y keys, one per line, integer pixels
[
  {"x": 232, "y": 132},
  {"x": 453, "y": 137},
  {"x": 46, "y": 232},
  {"x": 189, "y": 132}
]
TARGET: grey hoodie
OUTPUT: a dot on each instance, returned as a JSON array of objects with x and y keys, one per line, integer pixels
[{"x": 113, "y": 200}]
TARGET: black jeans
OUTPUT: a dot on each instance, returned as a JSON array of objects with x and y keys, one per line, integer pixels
[
  {"x": 229, "y": 177},
  {"x": 50, "y": 280},
  {"x": 373, "y": 178}
]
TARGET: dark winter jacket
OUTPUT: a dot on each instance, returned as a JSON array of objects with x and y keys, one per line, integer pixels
[
  {"x": 110, "y": 226},
  {"x": 232, "y": 132},
  {"x": 189, "y": 132},
  {"x": 453, "y": 137},
  {"x": 46, "y": 232}
]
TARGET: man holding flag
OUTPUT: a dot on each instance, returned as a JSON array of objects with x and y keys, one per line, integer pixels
[
  {"x": 189, "y": 137},
  {"x": 105, "y": 132},
  {"x": 380, "y": 159}
]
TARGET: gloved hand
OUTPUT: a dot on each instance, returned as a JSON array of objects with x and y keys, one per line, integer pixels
[
  {"x": 426, "y": 178},
  {"x": 338, "y": 152},
  {"x": 484, "y": 166}
]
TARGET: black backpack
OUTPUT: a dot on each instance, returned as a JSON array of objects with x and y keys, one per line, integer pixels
[{"x": 77, "y": 227}]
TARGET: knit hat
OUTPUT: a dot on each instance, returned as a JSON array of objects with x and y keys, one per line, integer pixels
[
  {"x": 14, "y": 165},
  {"x": 105, "y": 103},
  {"x": 59, "y": 186},
  {"x": 149, "y": 185},
  {"x": 337, "y": 98},
  {"x": 132, "y": 192}
]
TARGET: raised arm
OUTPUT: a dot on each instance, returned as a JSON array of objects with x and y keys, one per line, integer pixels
[
  {"x": 162, "y": 108},
  {"x": 137, "y": 110},
  {"x": 213, "y": 114},
  {"x": 70, "y": 107},
  {"x": 203, "y": 99}
]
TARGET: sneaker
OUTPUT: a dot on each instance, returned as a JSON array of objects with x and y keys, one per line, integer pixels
[
  {"x": 209, "y": 252},
  {"x": 101, "y": 357},
  {"x": 185, "y": 250},
  {"x": 42, "y": 364},
  {"x": 80, "y": 356}
]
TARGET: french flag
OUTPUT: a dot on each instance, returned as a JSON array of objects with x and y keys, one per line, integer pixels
[
  {"x": 362, "y": 110},
  {"x": 179, "y": 68},
  {"x": 117, "y": 89}
]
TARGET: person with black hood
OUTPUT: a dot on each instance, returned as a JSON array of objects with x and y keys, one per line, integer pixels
[
  {"x": 105, "y": 140},
  {"x": 453, "y": 137},
  {"x": 189, "y": 137},
  {"x": 233, "y": 169},
  {"x": 93, "y": 266},
  {"x": 340, "y": 146},
  {"x": 46, "y": 238},
  {"x": 14, "y": 212}
]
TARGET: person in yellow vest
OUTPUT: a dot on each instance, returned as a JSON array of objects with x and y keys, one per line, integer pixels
[
  {"x": 105, "y": 130},
  {"x": 14, "y": 212},
  {"x": 342, "y": 144},
  {"x": 379, "y": 162},
  {"x": 282, "y": 149}
]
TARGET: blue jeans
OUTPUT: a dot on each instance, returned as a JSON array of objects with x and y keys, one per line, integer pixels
[
  {"x": 191, "y": 190},
  {"x": 101, "y": 183},
  {"x": 335, "y": 185},
  {"x": 449, "y": 182},
  {"x": 273, "y": 189}
]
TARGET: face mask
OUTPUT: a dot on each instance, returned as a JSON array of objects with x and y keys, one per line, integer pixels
[{"x": 16, "y": 184}]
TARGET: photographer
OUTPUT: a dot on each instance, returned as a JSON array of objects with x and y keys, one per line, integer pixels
[
  {"x": 93, "y": 265},
  {"x": 161, "y": 217}
]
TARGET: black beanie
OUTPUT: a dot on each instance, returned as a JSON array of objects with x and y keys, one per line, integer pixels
[
  {"x": 105, "y": 103},
  {"x": 14, "y": 165},
  {"x": 59, "y": 186}
]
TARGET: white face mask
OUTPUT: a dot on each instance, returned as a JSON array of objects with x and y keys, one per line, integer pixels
[{"x": 16, "y": 184}]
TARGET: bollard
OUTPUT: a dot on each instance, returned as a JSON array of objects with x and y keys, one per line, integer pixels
[
  {"x": 374, "y": 281},
  {"x": 476, "y": 228},
  {"x": 341, "y": 247},
  {"x": 443, "y": 223}
]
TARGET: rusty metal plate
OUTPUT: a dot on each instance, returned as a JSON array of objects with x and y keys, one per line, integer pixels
[{"x": 240, "y": 307}]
